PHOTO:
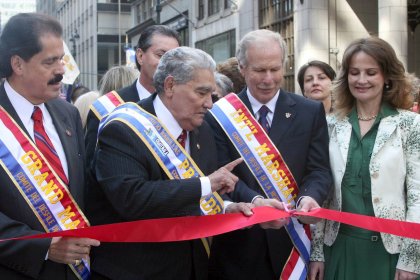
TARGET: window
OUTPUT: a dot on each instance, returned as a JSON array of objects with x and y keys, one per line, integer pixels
[
  {"x": 220, "y": 47},
  {"x": 200, "y": 9},
  {"x": 228, "y": 3},
  {"x": 213, "y": 7},
  {"x": 277, "y": 15}
]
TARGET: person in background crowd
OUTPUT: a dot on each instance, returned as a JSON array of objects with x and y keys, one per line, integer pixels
[
  {"x": 116, "y": 77},
  {"x": 230, "y": 69},
  {"x": 47, "y": 129},
  {"x": 298, "y": 128},
  {"x": 83, "y": 105},
  {"x": 315, "y": 80},
  {"x": 78, "y": 91},
  {"x": 224, "y": 86},
  {"x": 132, "y": 185},
  {"x": 152, "y": 44},
  {"x": 375, "y": 159}
]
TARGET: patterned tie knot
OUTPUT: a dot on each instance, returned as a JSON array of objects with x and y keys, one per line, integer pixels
[
  {"x": 263, "y": 111},
  {"x": 182, "y": 138},
  {"x": 37, "y": 114}
]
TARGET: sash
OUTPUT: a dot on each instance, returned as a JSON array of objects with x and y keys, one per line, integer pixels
[
  {"x": 106, "y": 104},
  {"x": 269, "y": 169},
  {"x": 172, "y": 158},
  {"x": 40, "y": 186}
]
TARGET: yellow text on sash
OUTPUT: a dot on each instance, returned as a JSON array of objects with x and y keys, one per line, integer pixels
[
  {"x": 210, "y": 204},
  {"x": 50, "y": 189},
  {"x": 189, "y": 171},
  {"x": 239, "y": 117},
  {"x": 277, "y": 173}
]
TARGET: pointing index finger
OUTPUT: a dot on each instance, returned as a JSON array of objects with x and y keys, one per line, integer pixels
[{"x": 231, "y": 165}]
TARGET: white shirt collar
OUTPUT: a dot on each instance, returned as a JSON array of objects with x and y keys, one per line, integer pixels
[
  {"x": 166, "y": 117},
  {"x": 256, "y": 105},
  {"x": 141, "y": 90},
  {"x": 23, "y": 107}
]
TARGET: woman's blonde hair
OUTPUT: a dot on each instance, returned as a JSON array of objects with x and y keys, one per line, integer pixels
[{"x": 116, "y": 78}]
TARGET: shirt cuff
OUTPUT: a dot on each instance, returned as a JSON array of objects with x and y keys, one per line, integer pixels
[
  {"x": 255, "y": 197},
  {"x": 297, "y": 202},
  {"x": 205, "y": 186}
]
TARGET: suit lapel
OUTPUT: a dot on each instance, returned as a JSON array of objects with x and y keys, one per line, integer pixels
[
  {"x": 65, "y": 133},
  {"x": 341, "y": 134},
  {"x": 195, "y": 147},
  {"x": 386, "y": 129},
  {"x": 284, "y": 115}
]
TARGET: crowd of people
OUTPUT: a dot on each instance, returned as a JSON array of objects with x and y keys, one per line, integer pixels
[{"x": 154, "y": 143}]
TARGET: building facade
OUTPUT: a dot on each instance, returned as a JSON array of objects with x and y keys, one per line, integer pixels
[
  {"x": 94, "y": 31},
  {"x": 313, "y": 29}
]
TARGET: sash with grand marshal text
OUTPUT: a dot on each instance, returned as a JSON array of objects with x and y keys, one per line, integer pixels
[
  {"x": 171, "y": 157},
  {"x": 269, "y": 169},
  {"x": 43, "y": 190}
]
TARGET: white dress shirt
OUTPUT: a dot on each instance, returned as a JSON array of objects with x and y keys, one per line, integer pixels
[
  {"x": 256, "y": 106},
  {"x": 142, "y": 91},
  {"x": 24, "y": 109}
]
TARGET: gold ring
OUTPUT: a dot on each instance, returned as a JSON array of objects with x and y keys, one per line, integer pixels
[{"x": 77, "y": 262}]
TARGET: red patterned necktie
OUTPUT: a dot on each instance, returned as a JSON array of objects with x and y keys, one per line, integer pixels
[
  {"x": 45, "y": 145},
  {"x": 263, "y": 118},
  {"x": 182, "y": 138}
]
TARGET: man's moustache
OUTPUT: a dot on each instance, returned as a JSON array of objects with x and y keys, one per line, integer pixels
[{"x": 56, "y": 79}]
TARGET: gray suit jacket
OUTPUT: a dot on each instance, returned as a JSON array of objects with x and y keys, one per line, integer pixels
[{"x": 26, "y": 259}]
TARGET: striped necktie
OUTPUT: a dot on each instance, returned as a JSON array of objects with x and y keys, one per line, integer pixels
[
  {"x": 45, "y": 145},
  {"x": 263, "y": 111}
]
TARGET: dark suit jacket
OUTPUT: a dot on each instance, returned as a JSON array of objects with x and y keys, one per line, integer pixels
[
  {"x": 302, "y": 140},
  {"x": 132, "y": 186},
  {"x": 26, "y": 259},
  {"x": 128, "y": 94}
]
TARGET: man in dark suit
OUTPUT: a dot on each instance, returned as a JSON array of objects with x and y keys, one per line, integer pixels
[
  {"x": 131, "y": 184},
  {"x": 152, "y": 44},
  {"x": 31, "y": 52},
  {"x": 298, "y": 129}
]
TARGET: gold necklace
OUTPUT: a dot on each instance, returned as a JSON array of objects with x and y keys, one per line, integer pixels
[{"x": 361, "y": 118}]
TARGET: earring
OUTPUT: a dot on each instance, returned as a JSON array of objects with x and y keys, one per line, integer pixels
[{"x": 387, "y": 86}]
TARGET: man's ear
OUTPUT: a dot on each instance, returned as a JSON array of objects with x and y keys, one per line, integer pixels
[
  {"x": 17, "y": 64},
  {"x": 139, "y": 56},
  {"x": 168, "y": 85}
]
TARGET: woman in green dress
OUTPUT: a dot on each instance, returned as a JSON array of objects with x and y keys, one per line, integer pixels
[{"x": 375, "y": 161}]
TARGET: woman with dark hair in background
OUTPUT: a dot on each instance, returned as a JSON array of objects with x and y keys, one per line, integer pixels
[{"x": 315, "y": 81}]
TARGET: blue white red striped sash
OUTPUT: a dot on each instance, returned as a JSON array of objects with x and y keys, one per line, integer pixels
[
  {"x": 268, "y": 167},
  {"x": 106, "y": 104},
  {"x": 43, "y": 190}
]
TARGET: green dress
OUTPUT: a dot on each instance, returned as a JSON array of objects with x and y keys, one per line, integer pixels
[{"x": 358, "y": 253}]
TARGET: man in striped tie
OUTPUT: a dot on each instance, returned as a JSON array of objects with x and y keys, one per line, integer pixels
[{"x": 42, "y": 155}]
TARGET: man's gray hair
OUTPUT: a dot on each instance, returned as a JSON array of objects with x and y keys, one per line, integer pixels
[
  {"x": 181, "y": 63},
  {"x": 254, "y": 36}
]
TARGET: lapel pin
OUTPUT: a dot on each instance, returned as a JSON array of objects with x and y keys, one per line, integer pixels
[
  {"x": 288, "y": 115},
  {"x": 68, "y": 132},
  {"x": 198, "y": 146}
]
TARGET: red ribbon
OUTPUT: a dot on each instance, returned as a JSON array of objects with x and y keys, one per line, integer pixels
[{"x": 187, "y": 228}]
